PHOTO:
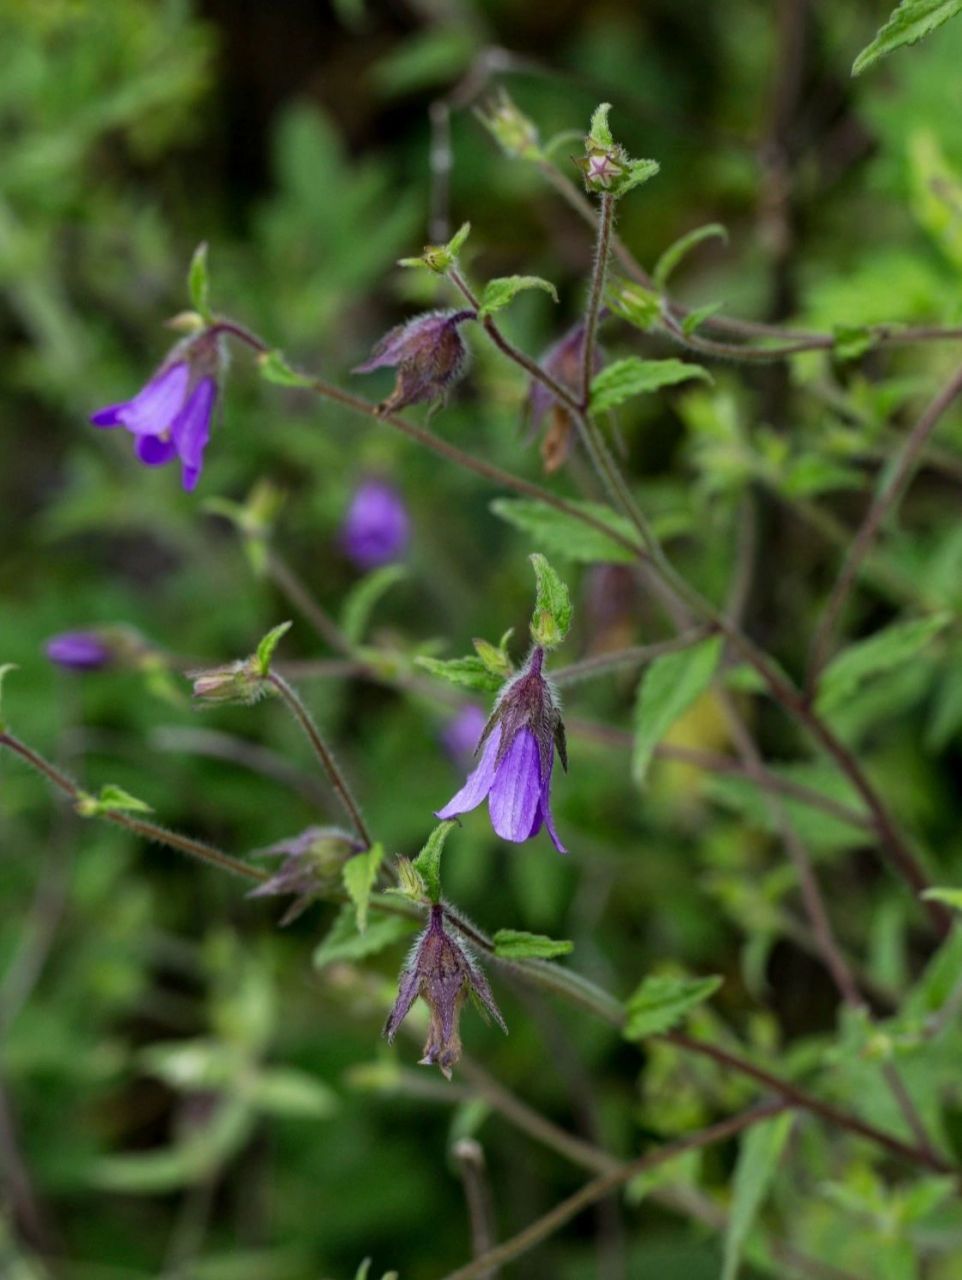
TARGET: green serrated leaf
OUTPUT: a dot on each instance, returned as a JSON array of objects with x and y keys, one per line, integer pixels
[
  {"x": 499, "y": 292},
  {"x": 668, "y": 688},
  {"x": 661, "y": 1002},
  {"x": 4, "y": 671},
  {"x": 758, "y": 1155},
  {"x": 888, "y": 648},
  {"x": 567, "y": 537},
  {"x": 599, "y": 132},
  {"x": 633, "y": 376},
  {"x": 265, "y": 650},
  {"x": 364, "y": 598},
  {"x": 344, "y": 942},
  {"x": 552, "y": 607},
  {"x": 198, "y": 282},
  {"x": 674, "y": 254},
  {"x": 515, "y": 944},
  {"x": 911, "y": 21},
  {"x": 359, "y": 874},
  {"x": 428, "y": 862},
  {"x": 466, "y": 673},
  {"x": 274, "y": 368}
]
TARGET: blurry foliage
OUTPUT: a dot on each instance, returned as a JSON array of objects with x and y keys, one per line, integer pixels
[{"x": 190, "y": 1097}]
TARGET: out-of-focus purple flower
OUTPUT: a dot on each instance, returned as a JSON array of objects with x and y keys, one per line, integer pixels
[
  {"x": 80, "y": 650},
  {"x": 428, "y": 353},
  {"x": 170, "y": 417},
  {"x": 514, "y": 772},
  {"x": 441, "y": 970},
  {"x": 611, "y": 603},
  {"x": 312, "y": 865},
  {"x": 377, "y": 527},
  {"x": 462, "y": 733},
  {"x": 563, "y": 362}
]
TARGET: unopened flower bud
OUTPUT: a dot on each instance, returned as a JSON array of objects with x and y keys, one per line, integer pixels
[
  {"x": 241, "y": 683},
  {"x": 514, "y": 132},
  {"x": 97, "y": 648},
  {"x": 311, "y": 868},
  {"x": 442, "y": 971},
  {"x": 517, "y": 757},
  {"x": 377, "y": 526},
  {"x": 429, "y": 355}
]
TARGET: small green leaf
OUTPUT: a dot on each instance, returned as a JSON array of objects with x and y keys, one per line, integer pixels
[
  {"x": 439, "y": 257},
  {"x": 198, "y": 283},
  {"x": 669, "y": 687},
  {"x": 495, "y": 660},
  {"x": 633, "y": 377},
  {"x": 364, "y": 597},
  {"x": 4, "y": 669},
  {"x": 514, "y": 944},
  {"x": 112, "y": 799},
  {"x": 274, "y": 368},
  {"x": 912, "y": 20},
  {"x": 566, "y": 536},
  {"x": 696, "y": 318},
  {"x": 265, "y": 650},
  {"x": 456, "y": 243},
  {"x": 683, "y": 246},
  {"x": 359, "y": 874},
  {"x": 552, "y": 607},
  {"x": 951, "y": 897},
  {"x": 409, "y": 885},
  {"x": 639, "y": 171},
  {"x": 428, "y": 862},
  {"x": 599, "y": 132},
  {"x": 633, "y": 302},
  {"x": 661, "y": 1002},
  {"x": 852, "y": 341},
  {"x": 758, "y": 1156},
  {"x": 498, "y": 293},
  {"x": 344, "y": 942},
  {"x": 888, "y": 648},
  {"x": 466, "y": 673}
]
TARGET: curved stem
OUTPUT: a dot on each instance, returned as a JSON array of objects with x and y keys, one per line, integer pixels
[
  {"x": 147, "y": 830},
  {"x": 295, "y": 705},
  {"x": 595, "y": 292}
]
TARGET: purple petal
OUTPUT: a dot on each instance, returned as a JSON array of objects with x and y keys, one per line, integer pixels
[
  {"x": 516, "y": 794},
  {"x": 110, "y": 416},
  {"x": 407, "y": 994},
  {"x": 479, "y": 781},
  {"x": 545, "y": 814},
  {"x": 154, "y": 408},
  {"x": 376, "y": 528},
  {"x": 191, "y": 430},
  {"x": 387, "y": 352},
  {"x": 81, "y": 650},
  {"x": 153, "y": 451}
]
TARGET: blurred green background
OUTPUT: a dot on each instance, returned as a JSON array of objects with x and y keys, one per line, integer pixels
[{"x": 181, "y": 1095}]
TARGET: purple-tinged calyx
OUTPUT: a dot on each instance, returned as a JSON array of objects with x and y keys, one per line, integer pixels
[
  {"x": 441, "y": 970},
  {"x": 311, "y": 868},
  {"x": 170, "y": 417},
  {"x": 428, "y": 353},
  {"x": 517, "y": 757},
  {"x": 377, "y": 528}
]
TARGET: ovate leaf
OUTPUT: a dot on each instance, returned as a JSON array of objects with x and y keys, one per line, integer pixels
[
  {"x": 888, "y": 648},
  {"x": 566, "y": 536},
  {"x": 634, "y": 377},
  {"x": 428, "y": 862},
  {"x": 661, "y": 1002},
  {"x": 552, "y": 608},
  {"x": 498, "y": 293},
  {"x": 669, "y": 687},
  {"x": 344, "y": 942},
  {"x": 359, "y": 874},
  {"x": 514, "y": 944},
  {"x": 467, "y": 673},
  {"x": 912, "y": 20}
]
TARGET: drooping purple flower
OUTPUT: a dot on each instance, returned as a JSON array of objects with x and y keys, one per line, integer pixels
[
  {"x": 563, "y": 362},
  {"x": 170, "y": 417},
  {"x": 462, "y": 733},
  {"x": 517, "y": 757},
  {"x": 377, "y": 527},
  {"x": 442, "y": 971},
  {"x": 312, "y": 865},
  {"x": 428, "y": 353},
  {"x": 80, "y": 650}
]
